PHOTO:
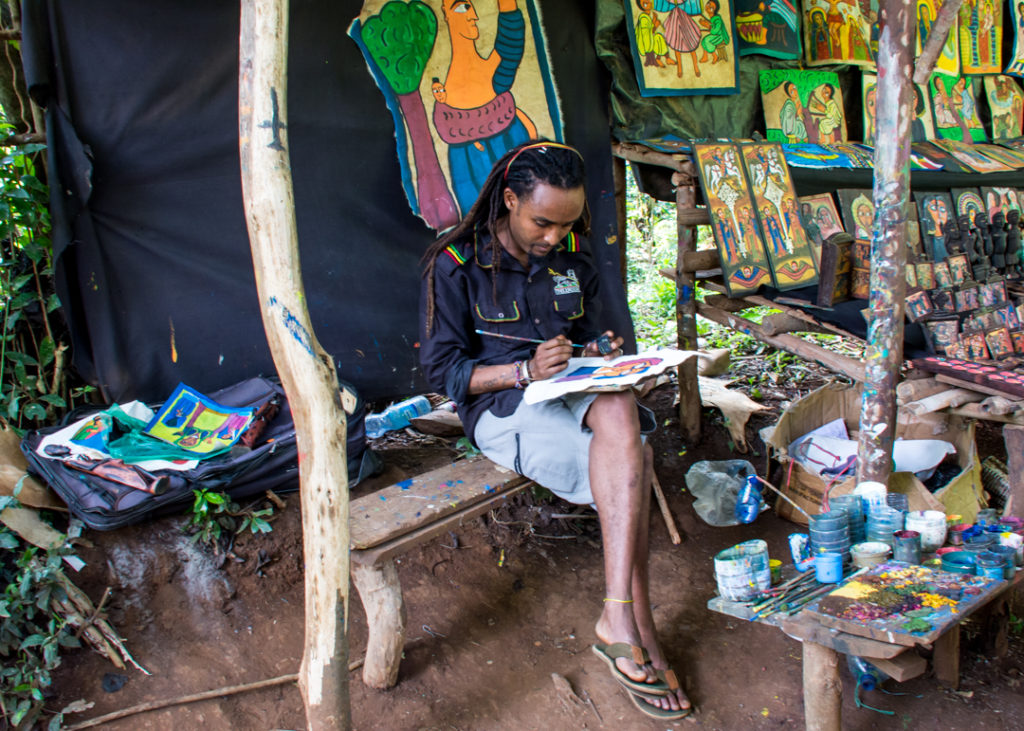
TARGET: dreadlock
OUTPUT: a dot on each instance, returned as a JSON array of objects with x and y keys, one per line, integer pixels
[{"x": 520, "y": 169}]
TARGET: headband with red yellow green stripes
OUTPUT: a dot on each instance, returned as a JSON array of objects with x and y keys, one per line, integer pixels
[{"x": 537, "y": 145}]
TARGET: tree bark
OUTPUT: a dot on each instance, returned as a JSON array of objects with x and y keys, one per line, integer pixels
[{"x": 306, "y": 370}]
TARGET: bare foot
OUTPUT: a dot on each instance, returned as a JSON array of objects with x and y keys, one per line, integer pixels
[
  {"x": 616, "y": 624},
  {"x": 676, "y": 700}
]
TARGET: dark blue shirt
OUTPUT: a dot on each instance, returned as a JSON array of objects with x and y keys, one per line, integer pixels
[{"x": 558, "y": 295}]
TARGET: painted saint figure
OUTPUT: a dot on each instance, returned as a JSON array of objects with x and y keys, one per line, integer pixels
[
  {"x": 715, "y": 43},
  {"x": 791, "y": 116},
  {"x": 650, "y": 36},
  {"x": 681, "y": 31},
  {"x": 830, "y": 115}
]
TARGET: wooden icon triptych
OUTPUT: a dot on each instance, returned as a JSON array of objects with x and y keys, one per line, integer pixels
[{"x": 755, "y": 217}]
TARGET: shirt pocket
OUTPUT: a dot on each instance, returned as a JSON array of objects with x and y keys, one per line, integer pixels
[
  {"x": 570, "y": 305},
  {"x": 496, "y": 314}
]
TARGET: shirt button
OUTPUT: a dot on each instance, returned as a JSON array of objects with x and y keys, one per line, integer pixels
[
  {"x": 501, "y": 314},
  {"x": 537, "y": 320},
  {"x": 529, "y": 280}
]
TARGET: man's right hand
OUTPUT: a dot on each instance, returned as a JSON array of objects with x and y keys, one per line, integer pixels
[{"x": 551, "y": 357}]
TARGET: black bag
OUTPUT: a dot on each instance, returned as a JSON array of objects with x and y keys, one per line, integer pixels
[{"x": 271, "y": 464}]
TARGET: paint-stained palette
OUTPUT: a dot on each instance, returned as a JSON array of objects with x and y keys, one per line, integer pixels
[{"x": 990, "y": 376}]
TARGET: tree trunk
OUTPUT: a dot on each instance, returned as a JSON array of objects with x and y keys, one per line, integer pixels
[{"x": 306, "y": 370}]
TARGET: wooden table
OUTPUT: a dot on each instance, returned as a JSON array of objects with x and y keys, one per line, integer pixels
[{"x": 824, "y": 646}]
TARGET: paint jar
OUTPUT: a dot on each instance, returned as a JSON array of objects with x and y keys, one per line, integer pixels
[
  {"x": 931, "y": 524},
  {"x": 906, "y": 546},
  {"x": 990, "y": 564},
  {"x": 986, "y": 516},
  {"x": 1009, "y": 555},
  {"x": 978, "y": 543},
  {"x": 775, "y": 569},
  {"x": 1015, "y": 541},
  {"x": 870, "y": 553},
  {"x": 853, "y": 506},
  {"x": 954, "y": 519},
  {"x": 831, "y": 520},
  {"x": 872, "y": 492},
  {"x": 956, "y": 533},
  {"x": 882, "y": 523},
  {"x": 828, "y": 568},
  {"x": 742, "y": 571},
  {"x": 959, "y": 562},
  {"x": 897, "y": 501}
]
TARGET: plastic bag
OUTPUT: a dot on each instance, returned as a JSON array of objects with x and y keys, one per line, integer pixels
[{"x": 716, "y": 486}]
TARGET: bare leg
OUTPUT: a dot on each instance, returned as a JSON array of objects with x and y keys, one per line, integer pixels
[{"x": 616, "y": 481}]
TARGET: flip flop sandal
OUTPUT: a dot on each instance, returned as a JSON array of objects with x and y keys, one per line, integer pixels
[
  {"x": 662, "y": 714},
  {"x": 610, "y": 653},
  {"x": 668, "y": 677}
]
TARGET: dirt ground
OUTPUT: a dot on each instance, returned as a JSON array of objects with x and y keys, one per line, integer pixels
[{"x": 493, "y": 611}]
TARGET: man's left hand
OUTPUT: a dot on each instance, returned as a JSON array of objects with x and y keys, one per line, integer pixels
[{"x": 590, "y": 350}]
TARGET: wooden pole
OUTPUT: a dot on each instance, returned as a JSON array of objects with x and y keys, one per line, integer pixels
[
  {"x": 823, "y": 688},
  {"x": 306, "y": 370},
  {"x": 884, "y": 353},
  {"x": 686, "y": 316}
]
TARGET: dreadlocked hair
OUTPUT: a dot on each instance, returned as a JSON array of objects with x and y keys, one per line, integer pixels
[{"x": 520, "y": 169}]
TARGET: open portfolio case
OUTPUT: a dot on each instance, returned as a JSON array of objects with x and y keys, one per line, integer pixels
[{"x": 111, "y": 498}]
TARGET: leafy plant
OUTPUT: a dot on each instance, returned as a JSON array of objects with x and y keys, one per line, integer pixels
[
  {"x": 213, "y": 513},
  {"x": 31, "y": 633}
]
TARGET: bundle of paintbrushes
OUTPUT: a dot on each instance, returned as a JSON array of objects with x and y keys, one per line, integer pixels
[{"x": 790, "y": 596}]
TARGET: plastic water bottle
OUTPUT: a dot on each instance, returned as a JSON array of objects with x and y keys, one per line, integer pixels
[
  {"x": 868, "y": 676},
  {"x": 396, "y": 416},
  {"x": 748, "y": 502}
]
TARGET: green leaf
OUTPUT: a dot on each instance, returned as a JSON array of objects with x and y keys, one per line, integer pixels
[
  {"x": 32, "y": 641},
  {"x": 46, "y": 349},
  {"x": 54, "y": 400},
  {"x": 23, "y": 358},
  {"x": 52, "y": 303},
  {"x": 217, "y": 498},
  {"x": 34, "y": 411}
]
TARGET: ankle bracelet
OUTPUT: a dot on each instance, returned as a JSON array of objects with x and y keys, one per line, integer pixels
[{"x": 618, "y": 601}]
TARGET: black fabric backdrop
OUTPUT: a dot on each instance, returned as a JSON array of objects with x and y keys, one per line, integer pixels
[{"x": 153, "y": 260}]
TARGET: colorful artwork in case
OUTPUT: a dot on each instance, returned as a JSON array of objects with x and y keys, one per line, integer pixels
[
  {"x": 457, "y": 102},
  {"x": 1015, "y": 65},
  {"x": 820, "y": 218},
  {"x": 949, "y": 60},
  {"x": 934, "y": 211},
  {"x": 803, "y": 106},
  {"x": 683, "y": 47},
  {"x": 745, "y": 264},
  {"x": 999, "y": 199},
  {"x": 921, "y": 129},
  {"x": 858, "y": 211},
  {"x": 981, "y": 36},
  {"x": 789, "y": 250},
  {"x": 1006, "y": 103},
  {"x": 837, "y": 31},
  {"x": 768, "y": 27},
  {"x": 955, "y": 108},
  {"x": 967, "y": 202}
]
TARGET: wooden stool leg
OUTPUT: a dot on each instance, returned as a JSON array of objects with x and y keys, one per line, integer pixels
[
  {"x": 381, "y": 594},
  {"x": 823, "y": 688},
  {"x": 946, "y": 658}
]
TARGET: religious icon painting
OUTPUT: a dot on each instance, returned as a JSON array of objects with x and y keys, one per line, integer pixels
[
  {"x": 957, "y": 350},
  {"x": 734, "y": 221},
  {"x": 789, "y": 249},
  {"x": 837, "y": 31},
  {"x": 1015, "y": 65},
  {"x": 943, "y": 277},
  {"x": 999, "y": 199},
  {"x": 858, "y": 211},
  {"x": 820, "y": 218},
  {"x": 968, "y": 202},
  {"x": 1017, "y": 337},
  {"x": 910, "y": 274},
  {"x": 948, "y": 61},
  {"x": 1007, "y": 315},
  {"x": 999, "y": 342},
  {"x": 955, "y": 108},
  {"x": 860, "y": 283},
  {"x": 942, "y": 333},
  {"x": 768, "y": 27},
  {"x": 860, "y": 253},
  {"x": 942, "y": 301},
  {"x": 985, "y": 317},
  {"x": 972, "y": 158},
  {"x": 918, "y": 305},
  {"x": 934, "y": 211},
  {"x": 455, "y": 108},
  {"x": 977, "y": 348},
  {"x": 802, "y": 106},
  {"x": 981, "y": 37},
  {"x": 683, "y": 47},
  {"x": 959, "y": 268},
  {"x": 921, "y": 128},
  {"x": 936, "y": 154},
  {"x": 967, "y": 299},
  {"x": 991, "y": 294},
  {"x": 1006, "y": 104},
  {"x": 925, "y": 275}
]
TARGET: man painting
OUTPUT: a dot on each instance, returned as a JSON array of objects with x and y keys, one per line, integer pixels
[{"x": 516, "y": 265}]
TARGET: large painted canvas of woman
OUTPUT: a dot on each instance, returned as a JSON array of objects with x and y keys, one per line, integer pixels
[
  {"x": 683, "y": 47},
  {"x": 481, "y": 67}
]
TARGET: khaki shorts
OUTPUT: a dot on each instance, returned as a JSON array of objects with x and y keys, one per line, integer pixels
[{"x": 548, "y": 442}]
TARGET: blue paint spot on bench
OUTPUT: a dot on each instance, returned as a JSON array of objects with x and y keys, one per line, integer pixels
[{"x": 405, "y": 484}]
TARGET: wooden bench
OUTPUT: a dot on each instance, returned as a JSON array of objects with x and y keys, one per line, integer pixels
[{"x": 389, "y": 522}]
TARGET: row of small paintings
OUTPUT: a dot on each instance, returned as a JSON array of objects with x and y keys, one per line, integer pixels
[{"x": 803, "y": 106}]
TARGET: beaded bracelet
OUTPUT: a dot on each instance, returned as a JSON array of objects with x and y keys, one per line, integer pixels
[{"x": 522, "y": 373}]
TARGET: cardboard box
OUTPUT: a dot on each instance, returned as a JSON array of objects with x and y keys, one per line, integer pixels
[{"x": 963, "y": 495}]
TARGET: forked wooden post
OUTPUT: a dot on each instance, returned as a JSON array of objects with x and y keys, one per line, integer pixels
[
  {"x": 686, "y": 311},
  {"x": 306, "y": 370}
]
